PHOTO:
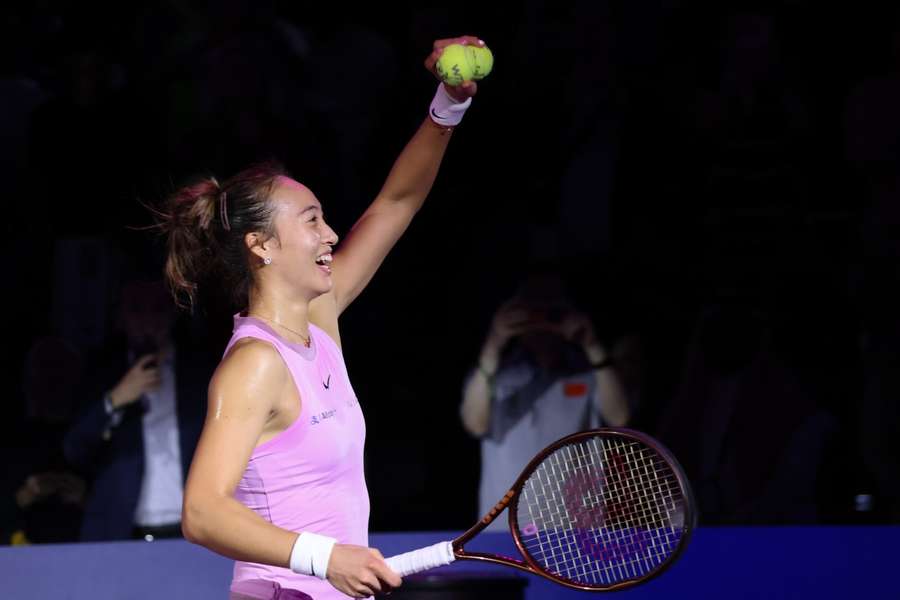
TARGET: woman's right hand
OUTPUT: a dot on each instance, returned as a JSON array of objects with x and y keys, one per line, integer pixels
[
  {"x": 142, "y": 377},
  {"x": 359, "y": 571},
  {"x": 466, "y": 89}
]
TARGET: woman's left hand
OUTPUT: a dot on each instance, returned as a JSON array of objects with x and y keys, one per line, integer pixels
[{"x": 468, "y": 88}]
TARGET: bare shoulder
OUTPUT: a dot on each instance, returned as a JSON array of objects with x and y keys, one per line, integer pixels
[
  {"x": 251, "y": 354},
  {"x": 252, "y": 369}
]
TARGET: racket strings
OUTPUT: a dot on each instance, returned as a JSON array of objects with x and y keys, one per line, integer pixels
[
  {"x": 601, "y": 511},
  {"x": 572, "y": 559}
]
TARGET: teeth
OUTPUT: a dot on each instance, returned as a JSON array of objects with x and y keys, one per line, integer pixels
[{"x": 325, "y": 259}]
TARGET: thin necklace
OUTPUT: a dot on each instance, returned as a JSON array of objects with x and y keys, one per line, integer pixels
[{"x": 307, "y": 341}]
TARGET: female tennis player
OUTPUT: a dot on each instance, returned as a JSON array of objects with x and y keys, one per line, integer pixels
[{"x": 277, "y": 479}]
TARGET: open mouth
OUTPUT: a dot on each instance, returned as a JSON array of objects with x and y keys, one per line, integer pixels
[{"x": 324, "y": 262}]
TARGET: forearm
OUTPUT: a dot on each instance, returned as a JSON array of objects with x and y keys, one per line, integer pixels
[
  {"x": 386, "y": 219},
  {"x": 229, "y": 528},
  {"x": 479, "y": 390},
  {"x": 84, "y": 439},
  {"x": 416, "y": 168},
  {"x": 610, "y": 391},
  {"x": 476, "y": 407},
  {"x": 613, "y": 402}
]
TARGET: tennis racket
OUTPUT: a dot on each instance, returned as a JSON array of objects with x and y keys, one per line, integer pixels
[{"x": 598, "y": 510}]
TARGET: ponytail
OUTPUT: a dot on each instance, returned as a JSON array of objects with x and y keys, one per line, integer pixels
[
  {"x": 191, "y": 247},
  {"x": 205, "y": 224}
]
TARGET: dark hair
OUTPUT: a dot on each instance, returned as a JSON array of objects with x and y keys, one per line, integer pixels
[{"x": 206, "y": 223}]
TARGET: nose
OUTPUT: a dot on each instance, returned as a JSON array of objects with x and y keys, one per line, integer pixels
[{"x": 329, "y": 237}]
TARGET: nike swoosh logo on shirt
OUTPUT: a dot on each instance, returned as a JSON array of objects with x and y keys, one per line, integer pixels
[{"x": 327, "y": 383}]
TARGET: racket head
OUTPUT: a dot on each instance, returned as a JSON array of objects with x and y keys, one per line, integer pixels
[{"x": 603, "y": 509}]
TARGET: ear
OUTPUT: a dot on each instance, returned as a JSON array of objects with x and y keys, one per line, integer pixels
[{"x": 256, "y": 244}]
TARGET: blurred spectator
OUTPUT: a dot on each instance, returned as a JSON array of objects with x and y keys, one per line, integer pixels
[
  {"x": 42, "y": 493},
  {"x": 744, "y": 425},
  {"x": 144, "y": 405},
  {"x": 542, "y": 374}
]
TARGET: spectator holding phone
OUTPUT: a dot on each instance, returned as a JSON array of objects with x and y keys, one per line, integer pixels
[
  {"x": 135, "y": 437},
  {"x": 542, "y": 374}
]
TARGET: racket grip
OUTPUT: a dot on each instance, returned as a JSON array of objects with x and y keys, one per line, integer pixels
[{"x": 422, "y": 559}]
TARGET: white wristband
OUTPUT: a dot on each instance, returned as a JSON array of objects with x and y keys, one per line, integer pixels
[
  {"x": 445, "y": 110},
  {"x": 311, "y": 553}
]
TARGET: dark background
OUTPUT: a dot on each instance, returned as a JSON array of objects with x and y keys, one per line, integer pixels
[{"x": 719, "y": 181}]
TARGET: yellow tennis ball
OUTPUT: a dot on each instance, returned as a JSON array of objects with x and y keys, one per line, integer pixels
[
  {"x": 482, "y": 60},
  {"x": 454, "y": 66}
]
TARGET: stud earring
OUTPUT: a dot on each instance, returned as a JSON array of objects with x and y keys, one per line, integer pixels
[{"x": 267, "y": 261}]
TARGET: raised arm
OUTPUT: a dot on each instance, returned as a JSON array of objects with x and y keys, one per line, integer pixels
[
  {"x": 613, "y": 402},
  {"x": 610, "y": 391},
  {"x": 408, "y": 184},
  {"x": 510, "y": 321}
]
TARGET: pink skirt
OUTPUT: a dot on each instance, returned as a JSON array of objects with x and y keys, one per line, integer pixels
[{"x": 259, "y": 589}]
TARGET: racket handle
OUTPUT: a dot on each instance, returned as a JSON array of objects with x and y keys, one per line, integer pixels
[{"x": 422, "y": 559}]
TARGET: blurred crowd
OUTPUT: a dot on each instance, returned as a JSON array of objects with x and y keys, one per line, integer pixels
[{"x": 718, "y": 186}]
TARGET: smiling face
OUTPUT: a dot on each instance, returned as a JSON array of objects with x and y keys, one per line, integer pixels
[{"x": 301, "y": 253}]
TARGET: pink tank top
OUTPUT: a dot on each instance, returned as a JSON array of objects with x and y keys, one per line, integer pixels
[{"x": 310, "y": 476}]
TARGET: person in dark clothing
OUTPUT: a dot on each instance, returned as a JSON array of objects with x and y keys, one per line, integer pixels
[{"x": 144, "y": 404}]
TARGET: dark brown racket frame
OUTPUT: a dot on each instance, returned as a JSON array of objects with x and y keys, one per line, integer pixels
[{"x": 510, "y": 501}]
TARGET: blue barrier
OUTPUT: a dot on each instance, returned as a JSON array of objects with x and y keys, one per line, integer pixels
[{"x": 728, "y": 562}]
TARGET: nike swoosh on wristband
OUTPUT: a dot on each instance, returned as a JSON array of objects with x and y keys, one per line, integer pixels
[{"x": 435, "y": 115}]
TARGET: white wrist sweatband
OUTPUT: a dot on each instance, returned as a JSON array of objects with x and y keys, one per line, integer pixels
[
  {"x": 445, "y": 110},
  {"x": 311, "y": 553}
]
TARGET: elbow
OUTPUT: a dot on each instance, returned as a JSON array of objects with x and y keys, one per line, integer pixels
[
  {"x": 189, "y": 527},
  {"x": 620, "y": 418},
  {"x": 189, "y": 532},
  {"x": 475, "y": 432},
  {"x": 619, "y": 421},
  {"x": 193, "y": 520}
]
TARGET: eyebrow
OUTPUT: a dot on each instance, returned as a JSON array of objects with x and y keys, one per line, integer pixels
[{"x": 309, "y": 208}]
